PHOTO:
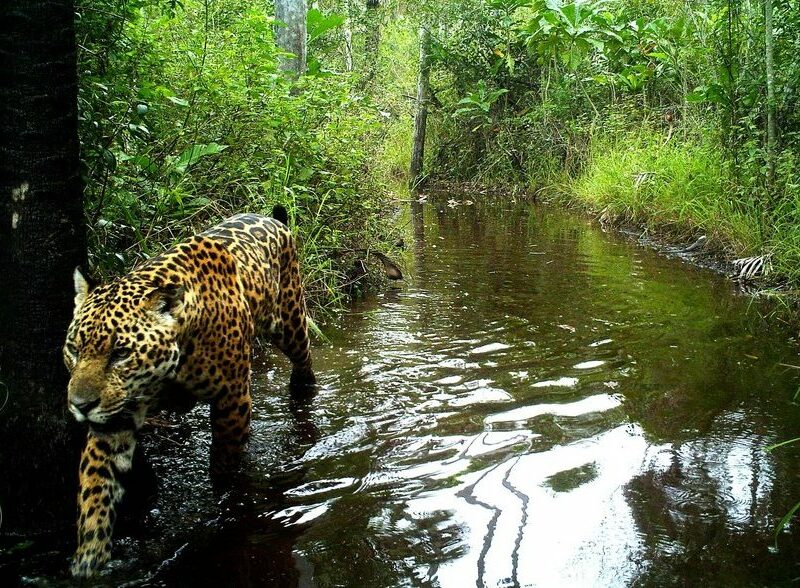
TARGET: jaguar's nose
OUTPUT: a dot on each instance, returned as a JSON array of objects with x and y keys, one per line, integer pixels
[{"x": 85, "y": 406}]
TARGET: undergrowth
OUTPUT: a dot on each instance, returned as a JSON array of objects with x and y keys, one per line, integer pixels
[
  {"x": 675, "y": 187},
  {"x": 187, "y": 118}
]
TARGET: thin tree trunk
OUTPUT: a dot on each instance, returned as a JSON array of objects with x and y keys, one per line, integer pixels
[
  {"x": 770, "y": 67},
  {"x": 348, "y": 48},
  {"x": 348, "y": 39},
  {"x": 373, "y": 30},
  {"x": 292, "y": 37},
  {"x": 421, "y": 118},
  {"x": 730, "y": 55},
  {"x": 42, "y": 239},
  {"x": 372, "y": 41}
]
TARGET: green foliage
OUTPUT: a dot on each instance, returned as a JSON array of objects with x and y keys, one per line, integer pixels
[
  {"x": 595, "y": 93},
  {"x": 475, "y": 106},
  {"x": 186, "y": 118},
  {"x": 395, "y": 80},
  {"x": 317, "y": 24},
  {"x": 644, "y": 178},
  {"x": 783, "y": 241},
  {"x": 566, "y": 32}
]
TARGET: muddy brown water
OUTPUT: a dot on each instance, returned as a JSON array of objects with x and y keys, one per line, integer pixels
[{"x": 540, "y": 404}]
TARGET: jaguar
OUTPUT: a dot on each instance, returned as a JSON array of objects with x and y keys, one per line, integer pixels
[{"x": 181, "y": 325}]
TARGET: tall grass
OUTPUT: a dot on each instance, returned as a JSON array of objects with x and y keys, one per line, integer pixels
[
  {"x": 678, "y": 188},
  {"x": 784, "y": 238}
]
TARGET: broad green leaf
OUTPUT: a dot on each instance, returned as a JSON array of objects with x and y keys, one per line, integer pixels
[
  {"x": 318, "y": 24},
  {"x": 194, "y": 153},
  {"x": 304, "y": 174},
  {"x": 178, "y": 101},
  {"x": 696, "y": 96}
]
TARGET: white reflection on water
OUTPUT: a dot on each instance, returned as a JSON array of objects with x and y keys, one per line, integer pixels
[
  {"x": 563, "y": 382},
  {"x": 731, "y": 475},
  {"x": 489, "y": 348},
  {"x": 563, "y": 517},
  {"x": 520, "y": 530},
  {"x": 587, "y": 365},
  {"x": 746, "y": 478},
  {"x": 596, "y": 403}
]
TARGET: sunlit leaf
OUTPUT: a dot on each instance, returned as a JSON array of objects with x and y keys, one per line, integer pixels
[
  {"x": 194, "y": 153},
  {"x": 178, "y": 101},
  {"x": 317, "y": 24}
]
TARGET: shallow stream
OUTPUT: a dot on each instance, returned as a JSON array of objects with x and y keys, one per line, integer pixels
[{"x": 539, "y": 404}]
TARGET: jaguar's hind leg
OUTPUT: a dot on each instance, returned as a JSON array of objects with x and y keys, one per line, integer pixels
[{"x": 292, "y": 334}]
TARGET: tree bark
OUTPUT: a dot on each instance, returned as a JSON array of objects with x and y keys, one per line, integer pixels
[
  {"x": 421, "y": 117},
  {"x": 348, "y": 38},
  {"x": 348, "y": 47},
  {"x": 292, "y": 37},
  {"x": 42, "y": 239},
  {"x": 770, "y": 67},
  {"x": 372, "y": 41}
]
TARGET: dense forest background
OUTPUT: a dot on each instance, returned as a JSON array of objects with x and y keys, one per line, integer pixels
[
  {"x": 678, "y": 116},
  {"x": 187, "y": 116}
]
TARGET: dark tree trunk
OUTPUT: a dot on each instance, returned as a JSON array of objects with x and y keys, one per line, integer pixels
[
  {"x": 372, "y": 40},
  {"x": 348, "y": 38},
  {"x": 42, "y": 239}
]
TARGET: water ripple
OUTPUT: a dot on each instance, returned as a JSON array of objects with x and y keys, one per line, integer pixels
[
  {"x": 588, "y": 415},
  {"x": 592, "y": 404}
]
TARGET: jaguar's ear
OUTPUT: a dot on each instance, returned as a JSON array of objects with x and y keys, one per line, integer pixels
[
  {"x": 279, "y": 213},
  {"x": 167, "y": 300},
  {"x": 82, "y": 287}
]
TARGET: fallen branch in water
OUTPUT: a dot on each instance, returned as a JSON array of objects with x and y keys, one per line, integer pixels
[{"x": 392, "y": 270}]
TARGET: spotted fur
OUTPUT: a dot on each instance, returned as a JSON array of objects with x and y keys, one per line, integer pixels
[{"x": 180, "y": 326}]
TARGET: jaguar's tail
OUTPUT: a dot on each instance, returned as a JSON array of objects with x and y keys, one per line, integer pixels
[{"x": 279, "y": 213}]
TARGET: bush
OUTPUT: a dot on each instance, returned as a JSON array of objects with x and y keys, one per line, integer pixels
[{"x": 186, "y": 119}]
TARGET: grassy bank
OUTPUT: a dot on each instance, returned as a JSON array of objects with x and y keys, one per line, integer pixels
[
  {"x": 677, "y": 188},
  {"x": 648, "y": 113},
  {"x": 675, "y": 183}
]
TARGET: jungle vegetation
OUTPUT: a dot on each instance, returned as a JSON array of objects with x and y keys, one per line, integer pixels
[{"x": 679, "y": 117}]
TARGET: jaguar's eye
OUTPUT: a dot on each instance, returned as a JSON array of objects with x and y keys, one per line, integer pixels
[{"x": 119, "y": 354}]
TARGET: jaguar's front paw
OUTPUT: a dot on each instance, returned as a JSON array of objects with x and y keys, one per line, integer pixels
[{"x": 89, "y": 558}]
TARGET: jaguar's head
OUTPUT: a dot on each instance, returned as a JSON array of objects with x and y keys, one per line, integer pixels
[{"x": 121, "y": 345}]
